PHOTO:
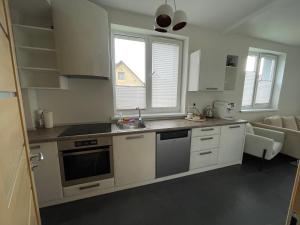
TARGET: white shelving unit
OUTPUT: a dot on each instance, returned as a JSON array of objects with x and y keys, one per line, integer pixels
[
  {"x": 231, "y": 72},
  {"x": 37, "y": 59}
]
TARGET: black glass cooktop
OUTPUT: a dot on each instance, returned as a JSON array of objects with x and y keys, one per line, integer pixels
[{"x": 86, "y": 129}]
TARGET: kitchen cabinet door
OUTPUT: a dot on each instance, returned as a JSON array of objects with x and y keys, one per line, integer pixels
[
  {"x": 81, "y": 33},
  {"x": 207, "y": 70},
  {"x": 47, "y": 173},
  {"x": 134, "y": 158},
  {"x": 232, "y": 144}
]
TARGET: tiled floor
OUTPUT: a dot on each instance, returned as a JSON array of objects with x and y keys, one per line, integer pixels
[{"x": 236, "y": 195}]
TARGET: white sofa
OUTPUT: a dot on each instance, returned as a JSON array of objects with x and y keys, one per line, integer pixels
[
  {"x": 290, "y": 125},
  {"x": 263, "y": 143}
]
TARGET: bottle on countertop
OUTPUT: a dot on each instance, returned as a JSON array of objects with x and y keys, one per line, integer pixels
[
  {"x": 208, "y": 111},
  {"x": 40, "y": 118}
]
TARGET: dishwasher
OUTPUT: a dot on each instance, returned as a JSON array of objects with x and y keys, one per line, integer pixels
[{"x": 172, "y": 152}]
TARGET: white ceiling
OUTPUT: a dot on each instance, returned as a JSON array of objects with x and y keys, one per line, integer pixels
[
  {"x": 280, "y": 22},
  {"x": 276, "y": 20}
]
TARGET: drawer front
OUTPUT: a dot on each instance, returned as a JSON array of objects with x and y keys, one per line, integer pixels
[
  {"x": 203, "y": 158},
  {"x": 205, "y": 142},
  {"x": 205, "y": 131},
  {"x": 89, "y": 187}
]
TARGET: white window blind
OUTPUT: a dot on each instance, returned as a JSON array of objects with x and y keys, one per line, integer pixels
[
  {"x": 249, "y": 80},
  {"x": 259, "y": 79},
  {"x": 165, "y": 61},
  {"x": 265, "y": 80}
]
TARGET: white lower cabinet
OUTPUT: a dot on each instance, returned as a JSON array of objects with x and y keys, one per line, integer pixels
[
  {"x": 89, "y": 187},
  {"x": 205, "y": 158},
  {"x": 231, "y": 143},
  {"x": 217, "y": 146},
  {"x": 47, "y": 173},
  {"x": 134, "y": 158},
  {"x": 205, "y": 142}
]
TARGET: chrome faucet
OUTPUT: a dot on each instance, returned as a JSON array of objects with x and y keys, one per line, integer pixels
[{"x": 140, "y": 119}]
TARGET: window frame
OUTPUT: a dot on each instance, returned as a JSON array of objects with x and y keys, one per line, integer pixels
[
  {"x": 149, "y": 39},
  {"x": 257, "y": 106}
]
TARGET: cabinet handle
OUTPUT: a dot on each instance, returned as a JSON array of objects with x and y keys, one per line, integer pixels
[
  {"x": 89, "y": 186},
  {"x": 205, "y": 153},
  {"x": 134, "y": 137},
  {"x": 39, "y": 156},
  {"x": 212, "y": 88},
  {"x": 207, "y": 129},
  {"x": 232, "y": 127},
  {"x": 35, "y": 147},
  {"x": 206, "y": 139},
  {"x": 34, "y": 166}
]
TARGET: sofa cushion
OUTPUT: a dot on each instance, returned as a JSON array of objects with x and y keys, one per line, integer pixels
[
  {"x": 298, "y": 121},
  {"x": 289, "y": 122},
  {"x": 273, "y": 121},
  {"x": 249, "y": 129}
]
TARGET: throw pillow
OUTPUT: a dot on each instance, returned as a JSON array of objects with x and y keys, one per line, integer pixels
[
  {"x": 298, "y": 122},
  {"x": 273, "y": 121}
]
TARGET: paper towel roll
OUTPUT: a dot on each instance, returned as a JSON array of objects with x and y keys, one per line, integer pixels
[{"x": 48, "y": 117}]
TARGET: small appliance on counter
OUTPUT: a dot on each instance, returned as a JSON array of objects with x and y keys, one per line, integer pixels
[{"x": 224, "y": 110}]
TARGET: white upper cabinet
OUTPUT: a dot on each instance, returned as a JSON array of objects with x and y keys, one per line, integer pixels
[
  {"x": 207, "y": 70},
  {"x": 81, "y": 32}
]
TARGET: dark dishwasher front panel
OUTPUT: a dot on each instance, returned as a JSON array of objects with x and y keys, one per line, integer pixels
[{"x": 172, "y": 152}]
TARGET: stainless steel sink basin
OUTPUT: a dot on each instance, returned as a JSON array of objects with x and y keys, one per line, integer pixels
[{"x": 131, "y": 126}]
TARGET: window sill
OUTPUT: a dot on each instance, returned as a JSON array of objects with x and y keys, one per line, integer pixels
[
  {"x": 155, "y": 116},
  {"x": 258, "y": 110}
]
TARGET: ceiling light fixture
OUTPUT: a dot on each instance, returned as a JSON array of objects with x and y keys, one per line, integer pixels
[{"x": 165, "y": 16}]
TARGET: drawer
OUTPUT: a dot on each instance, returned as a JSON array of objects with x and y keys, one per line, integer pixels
[
  {"x": 205, "y": 142},
  {"x": 204, "y": 158},
  {"x": 197, "y": 132},
  {"x": 88, "y": 187}
]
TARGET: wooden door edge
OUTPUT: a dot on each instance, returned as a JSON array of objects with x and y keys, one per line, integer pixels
[
  {"x": 293, "y": 197},
  {"x": 20, "y": 104}
]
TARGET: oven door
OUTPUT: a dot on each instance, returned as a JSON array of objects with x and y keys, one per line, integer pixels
[{"x": 86, "y": 165}]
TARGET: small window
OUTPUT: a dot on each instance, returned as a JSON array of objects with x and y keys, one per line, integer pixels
[
  {"x": 152, "y": 67},
  {"x": 259, "y": 80},
  {"x": 121, "y": 76}
]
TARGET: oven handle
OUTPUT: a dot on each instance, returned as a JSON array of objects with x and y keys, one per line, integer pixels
[{"x": 84, "y": 152}]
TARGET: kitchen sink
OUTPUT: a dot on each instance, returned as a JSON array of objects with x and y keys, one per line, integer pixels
[{"x": 131, "y": 126}]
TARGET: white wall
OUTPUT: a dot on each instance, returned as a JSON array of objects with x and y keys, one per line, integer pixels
[
  {"x": 92, "y": 100},
  {"x": 86, "y": 100}
]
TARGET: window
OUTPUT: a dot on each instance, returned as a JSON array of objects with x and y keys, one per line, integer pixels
[
  {"x": 259, "y": 80},
  {"x": 153, "y": 73},
  {"x": 121, "y": 76}
]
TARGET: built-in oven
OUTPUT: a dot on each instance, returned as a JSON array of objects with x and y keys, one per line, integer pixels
[{"x": 85, "y": 160}]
